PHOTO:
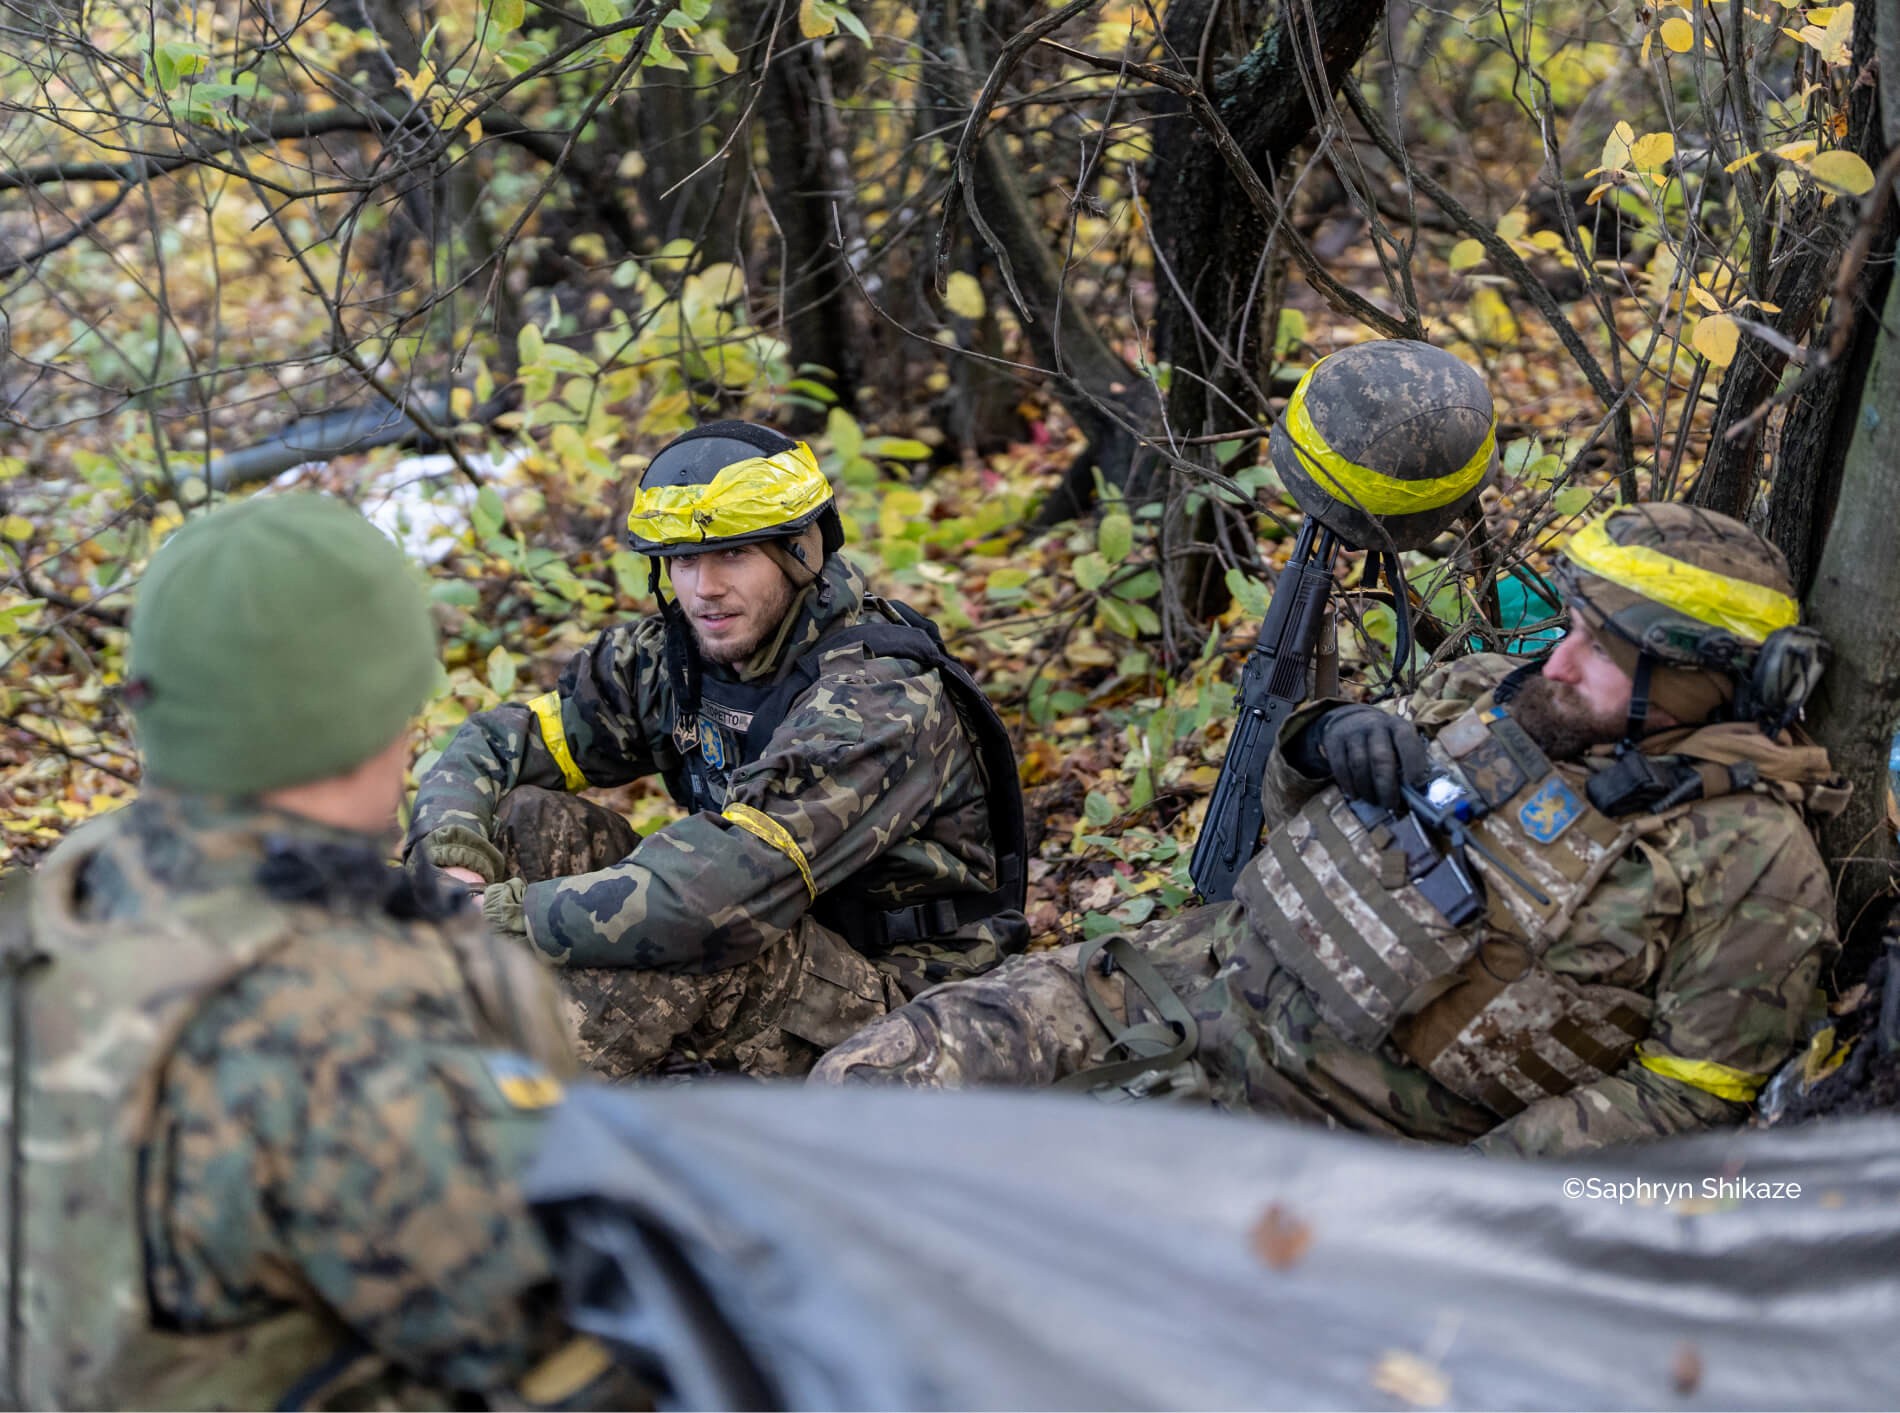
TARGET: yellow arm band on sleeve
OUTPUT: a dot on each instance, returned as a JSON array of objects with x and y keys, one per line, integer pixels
[
  {"x": 1373, "y": 491},
  {"x": 1723, "y": 1081},
  {"x": 742, "y": 499},
  {"x": 547, "y": 711},
  {"x": 565, "y": 1372},
  {"x": 763, "y": 826},
  {"x": 1750, "y": 611}
]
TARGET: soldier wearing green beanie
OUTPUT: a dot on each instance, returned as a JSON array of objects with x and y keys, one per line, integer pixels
[{"x": 275, "y": 1091}]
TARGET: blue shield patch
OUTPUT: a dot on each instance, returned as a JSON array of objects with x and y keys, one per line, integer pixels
[
  {"x": 1550, "y": 811},
  {"x": 712, "y": 745}
]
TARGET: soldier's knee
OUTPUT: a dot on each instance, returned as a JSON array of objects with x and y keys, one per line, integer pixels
[{"x": 904, "y": 1047}]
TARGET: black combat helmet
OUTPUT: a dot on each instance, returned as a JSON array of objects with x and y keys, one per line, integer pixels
[{"x": 736, "y": 483}]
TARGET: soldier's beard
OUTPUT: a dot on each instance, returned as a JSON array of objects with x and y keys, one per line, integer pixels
[{"x": 1556, "y": 717}]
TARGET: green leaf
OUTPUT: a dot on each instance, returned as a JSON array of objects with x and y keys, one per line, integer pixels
[
  {"x": 847, "y": 438},
  {"x": 1251, "y": 594},
  {"x": 1572, "y": 500},
  {"x": 501, "y": 671},
  {"x": 1003, "y": 581},
  {"x": 1119, "y": 617},
  {"x": 814, "y": 390},
  {"x": 457, "y": 592},
  {"x": 489, "y": 514},
  {"x": 897, "y": 448},
  {"x": 1090, "y": 571},
  {"x": 1097, "y": 808},
  {"x": 1140, "y": 793},
  {"x": 1144, "y": 585},
  {"x": 507, "y": 15},
  {"x": 529, "y": 345},
  {"x": 1115, "y": 538}
]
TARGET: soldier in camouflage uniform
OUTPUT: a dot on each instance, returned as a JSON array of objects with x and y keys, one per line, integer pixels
[
  {"x": 1639, "y": 948},
  {"x": 855, "y": 826},
  {"x": 271, "y": 1094}
]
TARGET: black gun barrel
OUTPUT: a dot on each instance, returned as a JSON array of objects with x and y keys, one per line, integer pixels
[{"x": 1271, "y": 685}]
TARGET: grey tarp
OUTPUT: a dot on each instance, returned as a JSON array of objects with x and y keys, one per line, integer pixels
[{"x": 890, "y": 1249}]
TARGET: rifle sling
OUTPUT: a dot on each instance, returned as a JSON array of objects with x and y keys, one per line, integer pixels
[{"x": 1155, "y": 1046}]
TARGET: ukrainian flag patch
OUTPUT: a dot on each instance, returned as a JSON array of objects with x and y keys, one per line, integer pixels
[{"x": 523, "y": 1083}]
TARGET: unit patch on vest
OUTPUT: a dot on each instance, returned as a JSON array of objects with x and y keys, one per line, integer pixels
[
  {"x": 712, "y": 745},
  {"x": 522, "y": 1082},
  {"x": 685, "y": 733},
  {"x": 1550, "y": 811}
]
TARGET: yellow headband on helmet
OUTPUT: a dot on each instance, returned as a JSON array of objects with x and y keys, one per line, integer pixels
[
  {"x": 1374, "y": 491},
  {"x": 760, "y": 493},
  {"x": 1750, "y": 611}
]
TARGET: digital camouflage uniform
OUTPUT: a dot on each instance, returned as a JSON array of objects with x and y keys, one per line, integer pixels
[
  {"x": 277, "y": 1097},
  {"x": 1703, "y": 935},
  {"x": 705, "y": 943}
]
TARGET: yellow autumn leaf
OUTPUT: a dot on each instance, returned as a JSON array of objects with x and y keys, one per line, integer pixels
[
  {"x": 1715, "y": 337},
  {"x": 1513, "y": 224},
  {"x": 1652, "y": 149},
  {"x": 1705, "y": 299},
  {"x": 16, "y": 528},
  {"x": 1844, "y": 172},
  {"x": 714, "y": 45},
  {"x": 1678, "y": 34},
  {"x": 963, "y": 295},
  {"x": 1496, "y": 324},
  {"x": 1616, "y": 148},
  {"x": 1797, "y": 151},
  {"x": 1466, "y": 253},
  {"x": 813, "y": 23}
]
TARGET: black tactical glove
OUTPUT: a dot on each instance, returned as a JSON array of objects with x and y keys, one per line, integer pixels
[{"x": 1371, "y": 753}]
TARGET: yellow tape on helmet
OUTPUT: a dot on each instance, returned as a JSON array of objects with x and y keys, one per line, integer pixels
[
  {"x": 1750, "y": 611},
  {"x": 761, "y": 493},
  {"x": 1373, "y": 491}
]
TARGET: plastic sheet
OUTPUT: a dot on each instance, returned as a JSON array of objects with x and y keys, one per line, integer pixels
[{"x": 758, "y": 1246}]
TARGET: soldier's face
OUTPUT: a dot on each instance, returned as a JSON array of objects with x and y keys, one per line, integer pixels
[
  {"x": 1581, "y": 700},
  {"x": 733, "y": 598}
]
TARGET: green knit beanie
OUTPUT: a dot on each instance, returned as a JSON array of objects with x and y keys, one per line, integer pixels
[{"x": 275, "y": 641}]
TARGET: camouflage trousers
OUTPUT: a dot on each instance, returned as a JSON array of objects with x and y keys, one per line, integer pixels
[
  {"x": 773, "y": 1016},
  {"x": 1261, "y": 1045}
]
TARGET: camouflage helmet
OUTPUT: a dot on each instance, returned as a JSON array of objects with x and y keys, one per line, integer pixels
[
  {"x": 1386, "y": 439},
  {"x": 736, "y": 483},
  {"x": 1706, "y": 602}
]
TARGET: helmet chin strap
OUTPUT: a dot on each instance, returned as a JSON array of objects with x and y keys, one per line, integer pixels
[
  {"x": 678, "y": 650},
  {"x": 1639, "y": 703}
]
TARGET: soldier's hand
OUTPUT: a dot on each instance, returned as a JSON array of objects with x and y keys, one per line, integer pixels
[
  {"x": 467, "y": 875},
  {"x": 1372, "y": 753}
]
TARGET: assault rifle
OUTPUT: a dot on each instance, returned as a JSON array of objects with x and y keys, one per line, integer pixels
[{"x": 1271, "y": 685}]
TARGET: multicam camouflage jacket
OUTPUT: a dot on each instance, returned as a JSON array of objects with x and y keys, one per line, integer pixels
[
  {"x": 870, "y": 781},
  {"x": 1702, "y": 930},
  {"x": 276, "y": 1094}
]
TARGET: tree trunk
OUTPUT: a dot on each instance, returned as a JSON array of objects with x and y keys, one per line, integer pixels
[
  {"x": 1856, "y": 603},
  {"x": 1811, "y": 246},
  {"x": 816, "y": 317}
]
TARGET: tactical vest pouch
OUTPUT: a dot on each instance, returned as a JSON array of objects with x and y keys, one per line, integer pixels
[
  {"x": 1362, "y": 950},
  {"x": 1509, "y": 1031}
]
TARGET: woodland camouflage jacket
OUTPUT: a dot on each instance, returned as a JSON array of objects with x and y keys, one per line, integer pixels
[
  {"x": 870, "y": 778},
  {"x": 277, "y": 1099}
]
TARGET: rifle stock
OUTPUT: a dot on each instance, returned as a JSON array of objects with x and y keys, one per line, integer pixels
[{"x": 1271, "y": 685}]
